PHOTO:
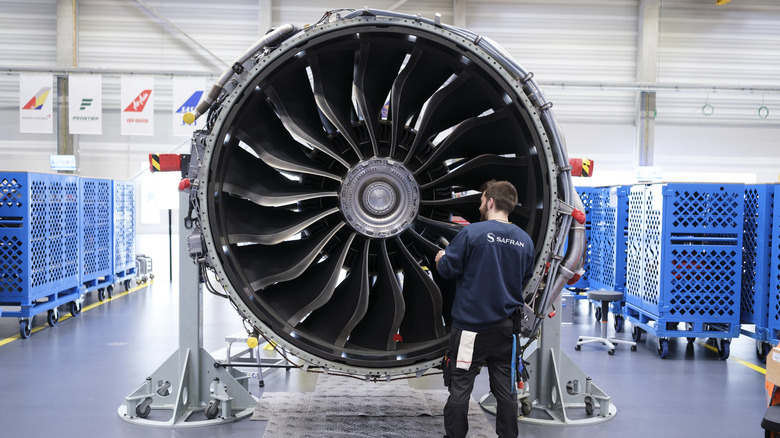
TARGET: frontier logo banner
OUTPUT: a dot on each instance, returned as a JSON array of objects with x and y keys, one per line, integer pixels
[
  {"x": 187, "y": 92},
  {"x": 137, "y": 117},
  {"x": 35, "y": 103},
  {"x": 85, "y": 104}
]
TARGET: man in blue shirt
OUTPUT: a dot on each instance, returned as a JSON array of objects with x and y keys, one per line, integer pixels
[{"x": 491, "y": 262}]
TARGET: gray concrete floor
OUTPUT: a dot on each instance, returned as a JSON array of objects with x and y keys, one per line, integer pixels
[{"x": 69, "y": 380}]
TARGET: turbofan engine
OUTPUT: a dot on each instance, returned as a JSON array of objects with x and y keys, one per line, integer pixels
[{"x": 334, "y": 159}]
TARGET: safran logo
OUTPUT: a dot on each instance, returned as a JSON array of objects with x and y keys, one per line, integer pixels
[
  {"x": 36, "y": 103},
  {"x": 138, "y": 104},
  {"x": 190, "y": 104}
]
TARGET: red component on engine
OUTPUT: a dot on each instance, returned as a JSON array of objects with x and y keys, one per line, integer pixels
[
  {"x": 578, "y": 216},
  {"x": 164, "y": 162},
  {"x": 184, "y": 184},
  {"x": 581, "y": 167}
]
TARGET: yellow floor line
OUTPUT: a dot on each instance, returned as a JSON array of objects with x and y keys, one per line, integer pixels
[
  {"x": 736, "y": 359},
  {"x": 68, "y": 315}
]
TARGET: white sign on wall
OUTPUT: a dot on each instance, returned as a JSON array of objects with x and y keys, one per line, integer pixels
[
  {"x": 137, "y": 104},
  {"x": 35, "y": 103},
  {"x": 187, "y": 92},
  {"x": 85, "y": 104}
]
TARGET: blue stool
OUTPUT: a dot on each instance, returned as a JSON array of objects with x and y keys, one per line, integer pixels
[{"x": 605, "y": 297}]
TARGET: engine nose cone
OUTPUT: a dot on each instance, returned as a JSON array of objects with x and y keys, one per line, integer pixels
[{"x": 379, "y": 198}]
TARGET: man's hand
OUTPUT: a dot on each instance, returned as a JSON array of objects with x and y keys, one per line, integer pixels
[{"x": 439, "y": 255}]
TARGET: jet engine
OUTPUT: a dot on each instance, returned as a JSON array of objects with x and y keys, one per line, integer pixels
[{"x": 338, "y": 156}]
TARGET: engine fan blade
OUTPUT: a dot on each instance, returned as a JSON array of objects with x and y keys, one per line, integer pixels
[
  {"x": 264, "y": 133},
  {"x": 294, "y": 102},
  {"x": 420, "y": 78},
  {"x": 423, "y": 318},
  {"x": 493, "y": 133},
  {"x": 375, "y": 72},
  {"x": 278, "y": 224},
  {"x": 447, "y": 230},
  {"x": 385, "y": 310},
  {"x": 446, "y": 286},
  {"x": 267, "y": 264},
  {"x": 250, "y": 178},
  {"x": 473, "y": 173},
  {"x": 459, "y": 100},
  {"x": 332, "y": 77},
  {"x": 300, "y": 296},
  {"x": 466, "y": 207},
  {"x": 334, "y": 321}
]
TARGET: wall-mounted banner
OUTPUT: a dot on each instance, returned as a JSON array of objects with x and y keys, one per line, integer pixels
[
  {"x": 35, "y": 103},
  {"x": 85, "y": 104},
  {"x": 137, "y": 104},
  {"x": 187, "y": 92}
]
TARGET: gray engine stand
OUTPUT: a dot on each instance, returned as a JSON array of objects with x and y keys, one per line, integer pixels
[
  {"x": 557, "y": 386},
  {"x": 188, "y": 382}
]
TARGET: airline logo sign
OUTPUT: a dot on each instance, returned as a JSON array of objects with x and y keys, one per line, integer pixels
[
  {"x": 35, "y": 103},
  {"x": 187, "y": 92},
  {"x": 85, "y": 104},
  {"x": 137, "y": 117}
]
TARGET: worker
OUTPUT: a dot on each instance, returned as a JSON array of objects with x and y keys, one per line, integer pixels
[{"x": 491, "y": 261}]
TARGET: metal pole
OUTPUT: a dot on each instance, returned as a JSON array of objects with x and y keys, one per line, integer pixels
[{"x": 170, "y": 245}]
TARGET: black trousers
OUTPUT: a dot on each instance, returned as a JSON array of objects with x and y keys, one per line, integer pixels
[{"x": 492, "y": 347}]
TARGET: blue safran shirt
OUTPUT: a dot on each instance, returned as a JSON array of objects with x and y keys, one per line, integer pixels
[{"x": 491, "y": 261}]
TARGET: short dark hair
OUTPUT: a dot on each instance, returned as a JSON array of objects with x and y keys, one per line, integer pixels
[{"x": 503, "y": 193}]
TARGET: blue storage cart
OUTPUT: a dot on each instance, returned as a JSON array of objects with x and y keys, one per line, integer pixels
[
  {"x": 586, "y": 196},
  {"x": 39, "y": 246},
  {"x": 773, "y": 319},
  {"x": 757, "y": 266},
  {"x": 609, "y": 232},
  {"x": 124, "y": 232},
  {"x": 96, "y": 213},
  {"x": 684, "y": 262}
]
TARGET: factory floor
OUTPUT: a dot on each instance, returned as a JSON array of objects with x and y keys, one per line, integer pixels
[{"x": 69, "y": 380}]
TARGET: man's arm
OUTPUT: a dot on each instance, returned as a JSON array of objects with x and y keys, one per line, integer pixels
[{"x": 450, "y": 263}]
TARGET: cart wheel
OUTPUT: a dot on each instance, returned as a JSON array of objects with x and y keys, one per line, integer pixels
[
  {"x": 762, "y": 349},
  {"x": 151, "y": 276},
  {"x": 101, "y": 294},
  {"x": 611, "y": 352},
  {"x": 636, "y": 334},
  {"x": 144, "y": 408},
  {"x": 619, "y": 322},
  {"x": 110, "y": 291},
  {"x": 212, "y": 409},
  {"x": 525, "y": 406},
  {"x": 577, "y": 347},
  {"x": 127, "y": 284},
  {"x": 723, "y": 349},
  {"x": 75, "y": 308},
  {"x": 598, "y": 314},
  {"x": 589, "y": 405},
  {"x": 633, "y": 348},
  {"x": 663, "y": 348},
  {"x": 25, "y": 328},
  {"x": 53, "y": 317},
  {"x": 691, "y": 340}
]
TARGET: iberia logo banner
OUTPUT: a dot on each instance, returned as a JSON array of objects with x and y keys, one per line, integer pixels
[
  {"x": 35, "y": 103},
  {"x": 187, "y": 92},
  {"x": 85, "y": 104},
  {"x": 137, "y": 116}
]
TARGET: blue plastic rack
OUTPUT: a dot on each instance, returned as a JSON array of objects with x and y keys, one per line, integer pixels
[
  {"x": 39, "y": 246},
  {"x": 97, "y": 246},
  {"x": 684, "y": 262},
  {"x": 124, "y": 232}
]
